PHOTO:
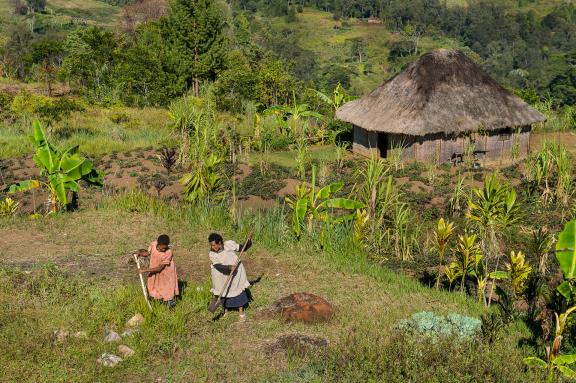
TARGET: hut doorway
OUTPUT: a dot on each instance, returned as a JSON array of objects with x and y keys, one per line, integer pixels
[{"x": 383, "y": 145}]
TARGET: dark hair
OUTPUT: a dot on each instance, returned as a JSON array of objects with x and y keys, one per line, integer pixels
[
  {"x": 215, "y": 237},
  {"x": 163, "y": 240}
]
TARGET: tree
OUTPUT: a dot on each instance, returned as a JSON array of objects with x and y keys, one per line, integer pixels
[
  {"x": 47, "y": 54},
  {"x": 89, "y": 60},
  {"x": 194, "y": 32}
]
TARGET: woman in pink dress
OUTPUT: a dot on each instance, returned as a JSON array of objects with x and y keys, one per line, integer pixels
[{"x": 162, "y": 278}]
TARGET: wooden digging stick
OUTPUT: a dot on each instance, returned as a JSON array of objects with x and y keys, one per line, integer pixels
[
  {"x": 214, "y": 305},
  {"x": 142, "y": 282}
]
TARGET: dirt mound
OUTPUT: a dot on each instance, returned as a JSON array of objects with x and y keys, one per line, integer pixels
[
  {"x": 299, "y": 344},
  {"x": 302, "y": 307}
]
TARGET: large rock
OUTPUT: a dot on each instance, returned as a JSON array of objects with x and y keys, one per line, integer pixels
[
  {"x": 299, "y": 344},
  {"x": 111, "y": 336},
  {"x": 109, "y": 360},
  {"x": 302, "y": 307},
  {"x": 135, "y": 321}
]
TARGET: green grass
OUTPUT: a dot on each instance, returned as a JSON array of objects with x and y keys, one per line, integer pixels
[
  {"x": 95, "y": 132},
  {"x": 285, "y": 158},
  {"x": 92, "y": 290}
]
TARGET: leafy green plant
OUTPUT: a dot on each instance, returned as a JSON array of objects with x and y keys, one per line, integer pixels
[
  {"x": 337, "y": 99},
  {"x": 542, "y": 242},
  {"x": 452, "y": 272},
  {"x": 519, "y": 271},
  {"x": 290, "y": 117},
  {"x": 566, "y": 256},
  {"x": 467, "y": 253},
  {"x": 63, "y": 170},
  {"x": 442, "y": 234},
  {"x": 8, "y": 207},
  {"x": 458, "y": 198},
  {"x": 555, "y": 363},
  {"x": 493, "y": 208},
  {"x": 203, "y": 181},
  {"x": 311, "y": 205}
]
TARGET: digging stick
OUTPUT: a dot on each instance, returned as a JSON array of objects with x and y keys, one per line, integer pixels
[
  {"x": 215, "y": 304},
  {"x": 142, "y": 282}
]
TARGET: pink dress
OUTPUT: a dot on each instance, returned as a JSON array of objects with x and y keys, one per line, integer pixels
[{"x": 162, "y": 285}]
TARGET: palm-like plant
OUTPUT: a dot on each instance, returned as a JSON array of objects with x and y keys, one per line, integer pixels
[
  {"x": 441, "y": 240},
  {"x": 519, "y": 271},
  {"x": 467, "y": 254},
  {"x": 493, "y": 208},
  {"x": 61, "y": 171}
]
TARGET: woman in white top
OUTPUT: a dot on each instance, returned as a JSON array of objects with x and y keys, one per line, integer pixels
[{"x": 223, "y": 257}]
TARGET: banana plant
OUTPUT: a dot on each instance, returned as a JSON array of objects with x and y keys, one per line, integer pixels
[
  {"x": 556, "y": 363},
  {"x": 288, "y": 117},
  {"x": 337, "y": 99},
  {"x": 311, "y": 205},
  {"x": 566, "y": 256},
  {"x": 61, "y": 171}
]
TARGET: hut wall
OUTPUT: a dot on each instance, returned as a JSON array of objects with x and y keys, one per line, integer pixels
[
  {"x": 365, "y": 142},
  {"x": 489, "y": 147}
]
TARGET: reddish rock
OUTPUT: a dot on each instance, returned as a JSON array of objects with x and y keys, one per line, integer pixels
[{"x": 303, "y": 307}]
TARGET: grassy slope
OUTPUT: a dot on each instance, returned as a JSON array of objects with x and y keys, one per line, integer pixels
[{"x": 101, "y": 292}]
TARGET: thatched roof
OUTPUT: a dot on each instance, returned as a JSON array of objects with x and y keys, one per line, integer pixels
[{"x": 443, "y": 92}]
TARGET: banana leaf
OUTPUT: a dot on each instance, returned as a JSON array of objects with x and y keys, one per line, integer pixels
[
  {"x": 565, "y": 289},
  {"x": 57, "y": 183},
  {"x": 532, "y": 360},
  {"x": 341, "y": 203},
  {"x": 24, "y": 186},
  {"x": 328, "y": 190},
  {"x": 565, "y": 359},
  {"x": 566, "y": 250},
  {"x": 568, "y": 372}
]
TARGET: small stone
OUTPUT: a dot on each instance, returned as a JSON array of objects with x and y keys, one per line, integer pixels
[
  {"x": 129, "y": 332},
  {"x": 80, "y": 335},
  {"x": 125, "y": 351},
  {"x": 59, "y": 336},
  {"x": 135, "y": 321},
  {"x": 109, "y": 360},
  {"x": 112, "y": 336}
]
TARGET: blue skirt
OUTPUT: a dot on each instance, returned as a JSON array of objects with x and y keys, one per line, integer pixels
[{"x": 237, "y": 301}]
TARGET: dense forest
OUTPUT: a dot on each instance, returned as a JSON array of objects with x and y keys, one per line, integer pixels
[{"x": 246, "y": 54}]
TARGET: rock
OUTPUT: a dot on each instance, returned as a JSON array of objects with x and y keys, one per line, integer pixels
[
  {"x": 109, "y": 360},
  {"x": 295, "y": 343},
  {"x": 80, "y": 335},
  {"x": 135, "y": 321},
  {"x": 129, "y": 332},
  {"x": 125, "y": 351},
  {"x": 303, "y": 307},
  {"x": 59, "y": 336},
  {"x": 112, "y": 336}
]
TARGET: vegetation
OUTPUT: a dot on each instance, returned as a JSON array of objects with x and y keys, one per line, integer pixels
[{"x": 210, "y": 116}]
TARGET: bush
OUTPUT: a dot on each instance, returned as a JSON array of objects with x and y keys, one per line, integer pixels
[{"x": 435, "y": 327}]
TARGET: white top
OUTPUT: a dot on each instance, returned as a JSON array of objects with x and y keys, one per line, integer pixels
[{"x": 228, "y": 257}]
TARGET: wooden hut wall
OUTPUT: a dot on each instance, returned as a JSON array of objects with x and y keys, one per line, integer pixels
[
  {"x": 365, "y": 142},
  {"x": 495, "y": 146}
]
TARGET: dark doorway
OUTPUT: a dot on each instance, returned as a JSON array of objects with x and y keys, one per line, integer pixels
[{"x": 383, "y": 145}]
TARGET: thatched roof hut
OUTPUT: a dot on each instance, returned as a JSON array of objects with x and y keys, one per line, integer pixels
[{"x": 440, "y": 98}]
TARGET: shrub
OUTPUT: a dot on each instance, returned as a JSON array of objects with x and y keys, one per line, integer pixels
[{"x": 435, "y": 326}]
